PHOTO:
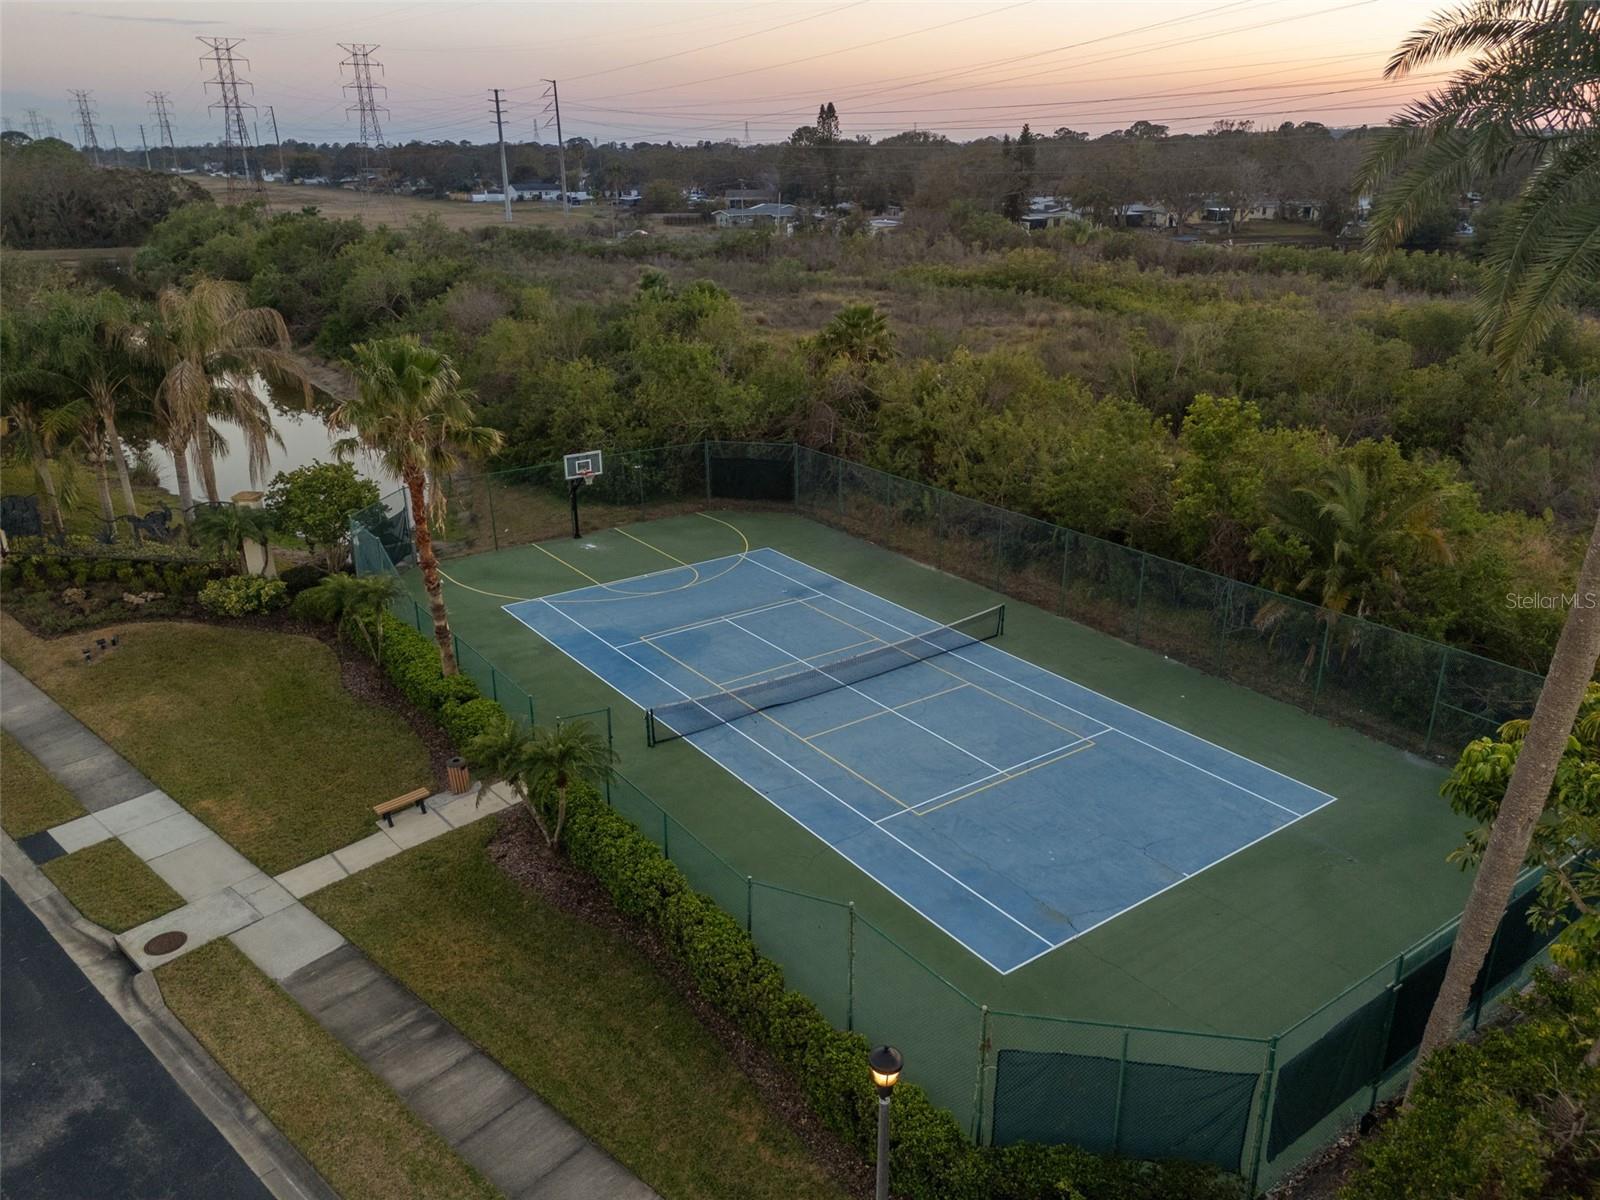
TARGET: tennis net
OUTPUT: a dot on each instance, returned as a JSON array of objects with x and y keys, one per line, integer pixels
[{"x": 683, "y": 717}]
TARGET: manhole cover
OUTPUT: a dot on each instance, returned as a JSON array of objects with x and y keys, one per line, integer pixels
[{"x": 165, "y": 943}]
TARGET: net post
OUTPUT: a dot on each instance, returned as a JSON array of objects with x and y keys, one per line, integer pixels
[
  {"x": 1268, "y": 1075},
  {"x": 1438, "y": 692},
  {"x": 850, "y": 971},
  {"x": 977, "y": 1086}
]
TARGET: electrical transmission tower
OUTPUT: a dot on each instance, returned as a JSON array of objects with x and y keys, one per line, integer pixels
[
  {"x": 235, "y": 134},
  {"x": 500, "y": 135},
  {"x": 86, "y": 135},
  {"x": 161, "y": 106},
  {"x": 366, "y": 105},
  {"x": 553, "y": 94},
  {"x": 35, "y": 129}
]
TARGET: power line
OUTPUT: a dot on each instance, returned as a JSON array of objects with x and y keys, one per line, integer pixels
[
  {"x": 86, "y": 114},
  {"x": 235, "y": 135}
]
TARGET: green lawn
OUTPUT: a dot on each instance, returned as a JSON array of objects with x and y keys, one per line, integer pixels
[
  {"x": 30, "y": 800},
  {"x": 578, "y": 1015},
  {"x": 249, "y": 730},
  {"x": 345, "y": 1120},
  {"x": 112, "y": 886}
]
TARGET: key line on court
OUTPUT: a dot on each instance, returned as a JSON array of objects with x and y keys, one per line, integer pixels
[
  {"x": 873, "y": 716},
  {"x": 872, "y": 699},
  {"x": 1034, "y": 933},
  {"x": 1079, "y": 748},
  {"x": 809, "y": 660},
  {"x": 1001, "y": 774},
  {"x": 707, "y": 621}
]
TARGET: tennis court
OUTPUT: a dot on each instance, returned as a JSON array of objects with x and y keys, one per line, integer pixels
[{"x": 1011, "y": 807}]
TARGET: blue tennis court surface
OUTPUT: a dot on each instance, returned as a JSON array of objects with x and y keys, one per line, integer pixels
[{"x": 1013, "y": 808}]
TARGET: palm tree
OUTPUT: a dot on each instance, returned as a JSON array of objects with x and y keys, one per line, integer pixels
[
  {"x": 210, "y": 346},
  {"x": 542, "y": 765},
  {"x": 40, "y": 415},
  {"x": 352, "y": 604},
  {"x": 1527, "y": 99},
  {"x": 1359, "y": 531},
  {"x": 412, "y": 412},
  {"x": 227, "y": 527},
  {"x": 858, "y": 334}
]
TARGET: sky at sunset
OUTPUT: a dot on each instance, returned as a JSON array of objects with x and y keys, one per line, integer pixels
[{"x": 717, "y": 71}]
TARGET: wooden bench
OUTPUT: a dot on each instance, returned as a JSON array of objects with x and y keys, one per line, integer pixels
[{"x": 388, "y": 808}]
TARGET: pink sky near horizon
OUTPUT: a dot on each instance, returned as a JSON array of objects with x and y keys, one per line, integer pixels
[{"x": 634, "y": 71}]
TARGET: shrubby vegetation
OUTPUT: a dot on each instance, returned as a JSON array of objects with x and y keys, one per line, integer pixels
[
  {"x": 55, "y": 197},
  {"x": 1228, "y": 408},
  {"x": 243, "y": 596},
  {"x": 1509, "y": 1116}
]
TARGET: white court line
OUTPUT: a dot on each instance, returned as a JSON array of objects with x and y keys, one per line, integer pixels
[
  {"x": 852, "y": 688},
  {"x": 984, "y": 780},
  {"x": 644, "y": 638},
  {"x": 1018, "y": 683},
  {"x": 556, "y": 597},
  {"x": 825, "y": 791}
]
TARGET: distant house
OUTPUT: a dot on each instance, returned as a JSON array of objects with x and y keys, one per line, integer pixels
[
  {"x": 1148, "y": 216},
  {"x": 1047, "y": 219},
  {"x": 737, "y": 198},
  {"x": 1308, "y": 211},
  {"x": 753, "y": 215},
  {"x": 542, "y": 190},
  {"x": 882, "y": 225}
]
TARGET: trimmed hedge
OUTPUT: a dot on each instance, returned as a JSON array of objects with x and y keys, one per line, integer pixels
[
  {"x": 932, "y": 1159},
  {"x": 243, "y": 595},
  {"x": 411, "y": 659}
]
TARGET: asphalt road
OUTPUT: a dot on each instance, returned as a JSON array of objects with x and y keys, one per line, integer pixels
[{"x": 88, "y": 1112}]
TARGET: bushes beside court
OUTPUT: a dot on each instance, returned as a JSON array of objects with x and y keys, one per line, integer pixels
[{"x": 933, "y": 1159}]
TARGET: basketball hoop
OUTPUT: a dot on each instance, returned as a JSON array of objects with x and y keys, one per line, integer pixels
[
  {"x": 587, "y": 477},
  {"x": 580, "y": 470}
]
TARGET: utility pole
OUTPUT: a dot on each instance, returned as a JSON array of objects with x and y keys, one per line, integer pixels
[
  {"x": 87, "y": 139},
  {"x": 163, "y": 115},
  {"x": 277, "y": 141},
  {"x": 500, "y": 134},
  {"x": 146, "y": 146},
  {"x": 561, "y": 146},
  {"x": 227, "y": 82},
  {"x": 34, "y": 129},
  {"x": 366, "y": 105}
]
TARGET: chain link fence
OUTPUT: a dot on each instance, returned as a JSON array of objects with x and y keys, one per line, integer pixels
[{"x": 1257, "y": 1106}]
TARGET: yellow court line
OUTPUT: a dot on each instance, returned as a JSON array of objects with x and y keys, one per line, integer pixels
[
  {"x": 443, "y": 574},
  {"x": 791, "y": 732},
  {"x": 565, "y": 563},
  {"x": 765, "y": 670},
  {"x": 887, "y": 709},
  {"x": 1049, "y": 762},
  {"x": 934, "y": 664},
  {"x": 663, "y": 553}
]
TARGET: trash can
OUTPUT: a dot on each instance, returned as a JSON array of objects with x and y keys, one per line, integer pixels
[{"x": 460, "y": 777}]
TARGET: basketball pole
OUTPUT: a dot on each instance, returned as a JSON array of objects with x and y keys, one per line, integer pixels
[{"x": 572, "y": 486}]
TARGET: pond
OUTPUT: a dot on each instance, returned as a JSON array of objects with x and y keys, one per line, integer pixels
[{"x": 305, "y": 439}]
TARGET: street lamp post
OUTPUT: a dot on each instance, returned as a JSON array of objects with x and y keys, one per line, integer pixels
[{"x": 886, "y": 1063}]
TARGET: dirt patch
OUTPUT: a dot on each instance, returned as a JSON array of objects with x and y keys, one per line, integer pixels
[{"x": 519, "y": 850}]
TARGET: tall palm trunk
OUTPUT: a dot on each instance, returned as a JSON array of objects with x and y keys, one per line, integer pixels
[
  {"x": 416, "y": 486},
  {"x": 208, "y": 465},
  {"x": 102, "y": 483},
  {"x": 1571, "y": 668},
  {"x": 180, "y": 469},
  {"x": 44, "y": 472},
  {"x": 119, "y": 456}
]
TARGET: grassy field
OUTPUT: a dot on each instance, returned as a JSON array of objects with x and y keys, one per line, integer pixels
[
  {"x": 578, "y": 1015},
  {"x": 251, "y": 731},
  {"x": 30, "y": 800},
  {"x": 111, "y": 886},
  {"x": 1248, "y": 946},
  {"x": 348, "y": 1123},
  {"x": 380, "y": 208}
]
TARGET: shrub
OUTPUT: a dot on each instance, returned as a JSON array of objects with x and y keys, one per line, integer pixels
[
  {"x": 302, "y": 577},
  {"x": 242, "y": 595},
  {"x": 464, "y": 720},
  {"x": 1502, "y": 1118}
]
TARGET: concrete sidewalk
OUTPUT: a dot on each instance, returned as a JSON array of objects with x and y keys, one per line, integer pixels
[{"x": 520, "y": 1144}]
